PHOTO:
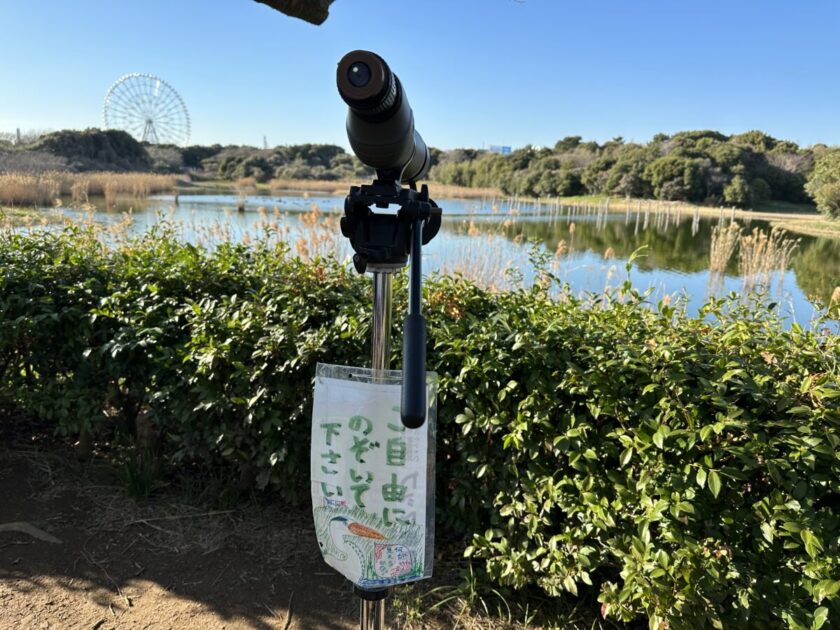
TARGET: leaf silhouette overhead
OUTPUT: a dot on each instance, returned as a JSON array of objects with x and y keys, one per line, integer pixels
[{"x": 312, "y": 11}]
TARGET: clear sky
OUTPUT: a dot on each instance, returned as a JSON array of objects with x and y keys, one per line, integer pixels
[{"x": 477, "y": 72}]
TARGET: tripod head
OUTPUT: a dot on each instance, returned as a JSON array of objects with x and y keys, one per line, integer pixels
[
  {"x": 380, "y": 127},
  {"x": 385, "y": 239}
]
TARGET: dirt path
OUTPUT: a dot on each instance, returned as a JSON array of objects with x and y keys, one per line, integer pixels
[{"x": 154, "y": 564}]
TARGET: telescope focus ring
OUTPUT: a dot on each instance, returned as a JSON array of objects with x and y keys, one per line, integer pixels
[{"x": 385, "y": 105}]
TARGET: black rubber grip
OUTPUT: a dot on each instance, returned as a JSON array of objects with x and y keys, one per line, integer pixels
[{"x": 413, "y": 407}]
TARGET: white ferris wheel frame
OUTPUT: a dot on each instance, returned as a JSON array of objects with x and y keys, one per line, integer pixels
[{"x": 148, "y": 108}]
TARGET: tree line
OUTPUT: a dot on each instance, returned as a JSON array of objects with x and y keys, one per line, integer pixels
[
  {"x": 709, "y": 167},
  {"x": 745, "y": 170}
]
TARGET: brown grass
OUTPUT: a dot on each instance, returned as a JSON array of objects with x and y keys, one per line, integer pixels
[
  {"x": 439, "y": 191},
  {"x": 307, "y": 185},
  {"x": 18, "y": 189},
  {"x": 320, "y": 235},
  {"x": 724, "y": 242},
  {"x": 11, "y": 218},
  {"x": 821, "y": 227},
  {"x": 761, "y": 255}
]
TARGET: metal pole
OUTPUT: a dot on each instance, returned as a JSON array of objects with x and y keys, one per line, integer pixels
[
  {"x": 382, "y": 313},
  {"x": 372, "y": 615},
  {"x": 372, "y": 603}
]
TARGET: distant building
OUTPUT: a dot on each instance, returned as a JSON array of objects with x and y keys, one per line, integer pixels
[{"x": 494, "y": 148}]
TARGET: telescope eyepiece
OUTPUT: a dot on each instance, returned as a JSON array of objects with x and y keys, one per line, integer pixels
[
  {"x": 367, "y": 85},
  {"x": 359, "y": 74},
  {"x": 380, "y": 123}
]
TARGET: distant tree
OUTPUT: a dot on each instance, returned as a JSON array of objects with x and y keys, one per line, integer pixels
[
  {"x": 458, "y": 155},
  {"x": 737, "y": 192},
  {"x": 256, "y": 167},
  {"x": 568, "y": 143},
  {"x": 193, "y": 156},
  {"x": 596, "y": 174},
  {"x": 166, "y": 158},
  {"x": 760, "y": 190},
  {"x": 726, "y": 155},
  {"x": 756, "y": 140},
  {"x": 828, "y": 199},
  {"x": 626, "y": 177},
  {"x": 676, "y": 178},
  {"x": 824, "y": 183}
]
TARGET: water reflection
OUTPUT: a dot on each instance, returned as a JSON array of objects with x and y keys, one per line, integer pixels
[{"x": 484, "y": 238}]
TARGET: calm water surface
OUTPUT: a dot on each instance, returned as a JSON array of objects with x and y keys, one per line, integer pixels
[{"x": 486, "y": 237}]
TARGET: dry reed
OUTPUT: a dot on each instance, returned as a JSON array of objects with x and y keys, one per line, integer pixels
[
  {"x": 439, "y": 191},
  {"x": 320, "y": 235},
  {"x": 724, "y": 242},
  {"x": 760, "y": 255},
  {"x": 18, "y": 189}
]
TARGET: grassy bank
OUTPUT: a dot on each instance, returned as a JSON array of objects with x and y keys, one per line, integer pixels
[
  {"x": 43, "y": 190},
  {"x": 795, "y": 218},
  {"x": 331, "y": 187},
  {"x": 776, "y": 210},
  {"x": 16, "y": 217},
  {"x": 769, "y": 211},
  {"x": 440, "y": 191},
  {"x": 821, "y": 226}
]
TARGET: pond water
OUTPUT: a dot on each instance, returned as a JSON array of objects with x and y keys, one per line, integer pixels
[{"x": 484, "y": 239}]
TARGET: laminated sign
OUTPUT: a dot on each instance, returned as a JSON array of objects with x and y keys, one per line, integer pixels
[{"x": 372, "y": 479}]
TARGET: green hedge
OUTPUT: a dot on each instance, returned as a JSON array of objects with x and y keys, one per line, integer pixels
[{"x": 681, "y": 468}]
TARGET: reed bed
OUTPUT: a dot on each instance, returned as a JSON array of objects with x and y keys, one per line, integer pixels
[
  {"x": 439, "y": 191},
  {"x": 724, "y": 242},
  {"x": 331, "y": 187},
  {"x": 316, "y": 233},
  {"x": 760, "y": 255},
  {"x": 19, "y": 189},
  {"x": 477, "y": 260},
  {"x": 320, "y": 235},
  {"x": 12, "y": 218}
]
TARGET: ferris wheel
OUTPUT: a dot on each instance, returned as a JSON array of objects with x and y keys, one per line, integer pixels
[{"x": 148, "y": 108}]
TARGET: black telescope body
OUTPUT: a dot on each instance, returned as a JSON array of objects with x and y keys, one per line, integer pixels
[{"x": 380, "y": 123}]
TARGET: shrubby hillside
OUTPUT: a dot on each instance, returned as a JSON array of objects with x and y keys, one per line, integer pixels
[
  {"x": 698, "y": 166},
  {"x": 111, "y": 150},
  {"x": 88, "y": 150},
  {"x": 303, "y": 161}
]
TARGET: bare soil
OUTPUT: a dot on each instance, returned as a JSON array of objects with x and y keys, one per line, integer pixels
[
  {"x": 156, "y": 563},
  {"x": 77, "y": 551}
]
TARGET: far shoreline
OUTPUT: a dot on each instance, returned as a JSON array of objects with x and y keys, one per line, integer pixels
[
  {"x": 795, "y": 218},
  {"x": 800, "y": 219}
]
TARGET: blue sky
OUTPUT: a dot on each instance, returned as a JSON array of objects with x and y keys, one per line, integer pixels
[{"x": 478, "y": 72}]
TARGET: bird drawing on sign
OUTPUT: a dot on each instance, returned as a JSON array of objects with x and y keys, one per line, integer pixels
[
  {"x": 340, "y": 529},
  {"x": 372, "y": 559}
]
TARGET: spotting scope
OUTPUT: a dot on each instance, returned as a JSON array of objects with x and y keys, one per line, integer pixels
[
  {"x": 380, "y": 127},
  {"x": 380, "y": 123}
]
